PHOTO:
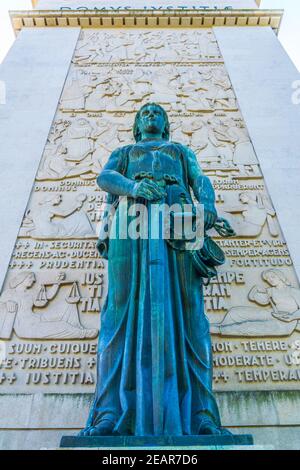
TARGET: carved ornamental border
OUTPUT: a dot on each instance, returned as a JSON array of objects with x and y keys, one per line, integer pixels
[{"x": 148, "y": 19}]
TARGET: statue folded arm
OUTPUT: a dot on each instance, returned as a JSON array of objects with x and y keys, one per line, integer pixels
[{"x": 113, "y": 181}]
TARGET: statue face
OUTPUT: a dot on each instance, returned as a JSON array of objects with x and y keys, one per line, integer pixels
[{"x": 152, "y": 120}]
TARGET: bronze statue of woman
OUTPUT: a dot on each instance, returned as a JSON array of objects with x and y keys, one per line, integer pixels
[{"x": 154, "y": 356}]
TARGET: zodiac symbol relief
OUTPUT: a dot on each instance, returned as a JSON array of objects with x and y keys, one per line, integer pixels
[
  {"x": 281, "y": 320},
  {"x": 149, "y": 46},
  {"x": 22, "y": 309}
]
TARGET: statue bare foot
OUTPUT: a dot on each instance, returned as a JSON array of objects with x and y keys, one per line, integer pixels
[
  {"x": 104, "y": 428},
  {"x": 208, "y": 428},
  {"x": 84, "y": 432}
]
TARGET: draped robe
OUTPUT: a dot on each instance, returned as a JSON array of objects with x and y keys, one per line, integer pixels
[{"x": 127, "y": 378}]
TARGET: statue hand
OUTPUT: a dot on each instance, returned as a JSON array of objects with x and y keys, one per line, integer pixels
[{"x": 148, "y": 189}]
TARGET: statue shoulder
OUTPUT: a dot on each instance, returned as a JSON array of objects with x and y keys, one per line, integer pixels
[
  {"x": 179, "y": 145},
  {"x": 122, "y": 151},
  {"x": 185, "y": 151},
  {"x": 118, "y": 159},
  {"x": 120, "y": 156}
]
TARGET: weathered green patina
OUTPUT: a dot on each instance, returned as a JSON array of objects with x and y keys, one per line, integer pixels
[{"x": 154, "y": 355}]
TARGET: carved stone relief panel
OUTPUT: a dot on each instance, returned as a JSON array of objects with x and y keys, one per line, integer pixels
[
  {"x": 49, "y": 316},
  {"x": 56, "y": 283},
  {"x": 167, "y": 46},
  {"x": 124, "y": 88},
  {"x": 221, "y": 142},
  {"x": 79, "y": 145}
]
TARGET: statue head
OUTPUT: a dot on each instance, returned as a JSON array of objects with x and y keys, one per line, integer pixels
[{"x": 151, "y": 119}]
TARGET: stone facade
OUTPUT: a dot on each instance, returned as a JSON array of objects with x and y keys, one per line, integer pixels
[{"x": 55, "y": 283}]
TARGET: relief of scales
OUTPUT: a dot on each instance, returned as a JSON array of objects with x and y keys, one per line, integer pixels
[
  {"x": 22, "y": 309},
  {"x": 70, "y": 303},
  {"x": 73, "y": 296}
]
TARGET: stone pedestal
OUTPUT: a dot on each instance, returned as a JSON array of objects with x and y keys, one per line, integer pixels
[{"x": 146, "y": 442}]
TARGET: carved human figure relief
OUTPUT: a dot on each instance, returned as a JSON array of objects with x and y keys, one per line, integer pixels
[
  {"x": 211, "y": 151},
  {"x": 81, "y": 147},
  {"x": 193, "y": 89},
  {"x": 222, "y": 92},
  {"x": 114, "y": 93},
  {"x": 150, "y": 46},
  {"x": 221, "y": 144},
  {"x": 206, "y": 88},
  {"x": 22, "y": 304},
  {"x": 130, "y": 91},
  {"x": 88, "y": 48},
  {"x": 110, "y": 133},
  {"x": 106, "y": 87},
  {"x": 244, "y": 157},
  {"x": 163, "y": 48},
  {"x": 70, "y": 151},
  {"x": 278, "y": 313},
  {"x": 165, "y": 88},
  {"x": 239, "y": 160},
  {"x": 193, "y": 92},
  {"x": 79, "y": 86},
  {"x": 251, "y": 214},
  {"x": 54, "y": 164},
  {"x": 208, "y": 45},
  {"x": 51, "y": 218},
  {"x": 78, "y": 140}
]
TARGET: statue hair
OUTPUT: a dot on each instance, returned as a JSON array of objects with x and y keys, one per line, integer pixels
[{"x": 136, "y": 130}]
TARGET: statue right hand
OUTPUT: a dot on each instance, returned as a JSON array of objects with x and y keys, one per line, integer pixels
[{"x": 148, "y": 189}]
